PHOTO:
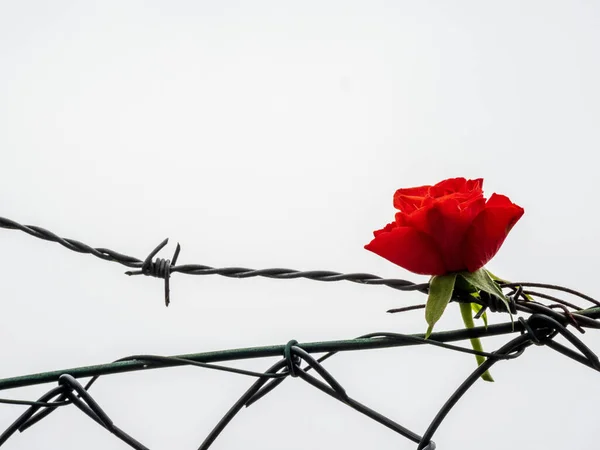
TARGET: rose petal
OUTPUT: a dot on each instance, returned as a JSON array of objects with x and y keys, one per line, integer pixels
[
  {"x": 450, "y": 222},
  {"x": 408, "y": 248},
  {"x": 499, "y": 200},
  {"x": 449, "y": 186},
  {"x": 446, "y": 225},
  {"x": 454, "y": 186},
  {"x": 488, "y": 231},
  {"x": 385, "y": 229},
  {"x": 475, "y": 185},
  {"x": 409, "y": 199},
  {"x": 472, "y": 207}
]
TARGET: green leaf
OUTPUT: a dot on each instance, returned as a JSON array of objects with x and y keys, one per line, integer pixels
[
  {"x": 482, "y": 280},
  {"x": 440, "y": 293},
  {"x": 466, "y": 313}
]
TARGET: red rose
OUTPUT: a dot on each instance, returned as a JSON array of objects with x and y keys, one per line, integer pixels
[{"x": 448, "y": 227}]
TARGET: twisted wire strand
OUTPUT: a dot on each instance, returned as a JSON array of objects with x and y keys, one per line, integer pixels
[
  {"x": 554, "y": 287},
  {"x": 163, "y": 268},
  {"x": 520, "y": 300},
  {"x": 71, "y": 244},
  {"x": 289, "y": 274},
  {"x": 157, "y": 268}
]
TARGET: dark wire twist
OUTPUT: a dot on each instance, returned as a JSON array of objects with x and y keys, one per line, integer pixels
[
  {"x": 159, "y": 268},
  {"x": 162, "y": 268}
]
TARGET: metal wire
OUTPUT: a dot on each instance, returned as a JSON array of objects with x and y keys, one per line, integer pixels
[
  {"x": 539, "y": 329},
  {"x": 368, "y": 342},
  {"x": 163, "y": 268},
  {"x": 546, "y": 321}
]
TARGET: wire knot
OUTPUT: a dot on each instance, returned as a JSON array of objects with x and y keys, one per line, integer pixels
[
  {"x": 84, "y": 401},
  {"x": 495, "y": 304},
  {"x": 292, "y": 360},
  {"x": 159, "y": 268},
  {"x": 540, "y": 332}
]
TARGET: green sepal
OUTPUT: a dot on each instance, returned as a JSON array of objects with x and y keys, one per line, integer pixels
[
  {"x": 463, "y": 285},
  {"x": 440, "y": 293},
  {"x": 466, "y": 313},
  {"x": 482, "y": 280}
]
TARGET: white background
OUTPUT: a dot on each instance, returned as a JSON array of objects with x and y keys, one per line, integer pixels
[{"x": 273, "y": 134}]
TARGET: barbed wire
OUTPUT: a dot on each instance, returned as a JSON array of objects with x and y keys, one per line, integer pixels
[
  {"x": 545, "y": 322},
  {"x": 163, "y": 268}
]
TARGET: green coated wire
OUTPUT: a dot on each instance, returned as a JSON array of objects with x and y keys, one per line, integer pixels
[{"x": 258, "y": 352}]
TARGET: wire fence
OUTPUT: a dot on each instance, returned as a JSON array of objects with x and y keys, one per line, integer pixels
[{"x": 548, "y": 316}]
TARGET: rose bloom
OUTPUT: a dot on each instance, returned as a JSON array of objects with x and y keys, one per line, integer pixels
[{"x": 448, "y": 227}]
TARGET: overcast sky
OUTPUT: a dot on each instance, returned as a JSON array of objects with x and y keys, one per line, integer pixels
[{"x": 274, "y": 134}]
